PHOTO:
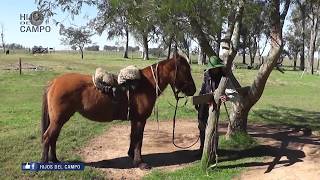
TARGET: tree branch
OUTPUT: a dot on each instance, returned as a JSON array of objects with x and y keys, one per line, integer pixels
[
  {"x": 284, "y": 12},
  {"x": 201, "y": 36},
  {"x": 259, "y": 83}
]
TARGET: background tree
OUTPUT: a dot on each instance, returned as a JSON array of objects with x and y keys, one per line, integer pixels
[
  {"x": 78, "y": 37},
  {"x": 293, "y": 44},
  {"x": 313, "y": 17},
  {"x": 73, "y": 47},
  {"x": 2, "y": 39},
  {"x": 302, "y": 7},
  {"x": 252, "y": 28},
  {"x": 112, "y": 17},
  {"x": 92, "y": 48}
]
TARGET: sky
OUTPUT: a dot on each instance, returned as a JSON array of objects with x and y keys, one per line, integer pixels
[{"x": 10, "y": 11}]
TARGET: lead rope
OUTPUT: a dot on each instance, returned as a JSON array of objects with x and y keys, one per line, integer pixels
[
  {"x": 156, "y": 108},
  {"x": 174, "y": 126},
  {"x": 176, "y": 95}
]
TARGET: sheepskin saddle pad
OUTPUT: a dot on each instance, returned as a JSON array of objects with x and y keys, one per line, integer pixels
[{"x": 108, "y": 83}]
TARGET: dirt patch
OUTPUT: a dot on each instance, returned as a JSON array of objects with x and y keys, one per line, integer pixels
[
  {"x": 108, "y": 152},
  {"x": 289, "y": 153}
]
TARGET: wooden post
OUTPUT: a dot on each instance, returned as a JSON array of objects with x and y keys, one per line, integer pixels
[
  {"x": 20, "y": 68},
  {"x": 211, "y": 139}
]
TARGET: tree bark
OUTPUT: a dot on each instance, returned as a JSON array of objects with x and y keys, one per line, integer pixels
[
  {"x": 126, "y": 49},
  {"x": 145, "y": 47}
]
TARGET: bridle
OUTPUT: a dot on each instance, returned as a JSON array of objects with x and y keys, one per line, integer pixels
[{"x": 176, "y": 93}]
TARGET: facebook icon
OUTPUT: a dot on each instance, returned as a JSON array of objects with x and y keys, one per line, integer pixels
[{"x": 29, "y": 166}]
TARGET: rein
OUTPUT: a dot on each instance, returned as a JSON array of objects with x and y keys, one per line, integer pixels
[{"x": 177, "y": 97}]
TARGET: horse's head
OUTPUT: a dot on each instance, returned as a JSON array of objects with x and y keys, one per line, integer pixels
[{"x": 181, "y": 76}]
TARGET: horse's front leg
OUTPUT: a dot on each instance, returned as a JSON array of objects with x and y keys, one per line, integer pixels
[{"x": 136, "y": 137}]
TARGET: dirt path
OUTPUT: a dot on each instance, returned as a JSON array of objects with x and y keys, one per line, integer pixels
[
  {"x": 290, "y": 154},
  {"x": 109, "y": 151}
]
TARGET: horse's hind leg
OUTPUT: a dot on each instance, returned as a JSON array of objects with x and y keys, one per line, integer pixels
[
  {"x": 45, "y": 150},
  {"x": 53, "y": 141},
  {"x": 50, "y": 140}
]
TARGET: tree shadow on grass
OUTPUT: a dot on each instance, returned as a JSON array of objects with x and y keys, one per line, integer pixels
[
  {"x": 276, "y": 151},
  {"x": 292, "y": 117}
]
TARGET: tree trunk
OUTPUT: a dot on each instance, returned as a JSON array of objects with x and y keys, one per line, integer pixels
[
  {"x": 219, "y": 40},
  {"x": 169, "y": 48},
  {"x": 2, "y": 39},
  {"x": 212, "y": 135},
  {"x": 295, "y": 62},
  {"x": 318, "y": 62},
  {"x": 145, "y": 47},
  {"x": 81, "y": 51},
  {"x": 241, "y": 108},
  {"x": 252, "y": 50},
  {"x": 126, "y": 49},
  {"x": 313, "y": 38},
  {"x": 261, "y": 52},
  {"x": 238, "y": 119},
  {"x": 251, "y": 58},
  {"x": 243, "y": 49},
  {"x": 203, "y": 58},
  {"x": 199, "y": 56},
  {"x": 303, "y": 17}
]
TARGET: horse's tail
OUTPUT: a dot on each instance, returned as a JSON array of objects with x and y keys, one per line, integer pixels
[{"x": 45, "y": 119}]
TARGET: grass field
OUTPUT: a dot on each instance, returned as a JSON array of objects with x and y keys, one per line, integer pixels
[{"x": 288, "y": 99}]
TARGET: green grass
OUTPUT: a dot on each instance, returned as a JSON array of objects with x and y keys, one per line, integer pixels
[{"x": 288, "y": 99}]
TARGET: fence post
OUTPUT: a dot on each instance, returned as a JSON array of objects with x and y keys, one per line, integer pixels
[{"x": 20, "y": 68}]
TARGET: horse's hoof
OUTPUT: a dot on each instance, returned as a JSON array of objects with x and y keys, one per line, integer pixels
[
  {"x": 144, "y": 166},
  {"x": 55, "y": 161},
  {"x": 131, "y": 155}
]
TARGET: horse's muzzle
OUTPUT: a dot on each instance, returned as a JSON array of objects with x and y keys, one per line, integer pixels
[{"x": 190, "y": 89}]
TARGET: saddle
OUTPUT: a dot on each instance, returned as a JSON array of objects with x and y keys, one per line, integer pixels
[{"x": 113, "y": 85}]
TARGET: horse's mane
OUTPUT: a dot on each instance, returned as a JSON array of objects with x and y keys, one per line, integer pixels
[{"x": 181, "y": 54}]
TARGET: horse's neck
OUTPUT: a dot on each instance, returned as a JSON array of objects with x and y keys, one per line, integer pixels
[{"x": 162, "y": 74}]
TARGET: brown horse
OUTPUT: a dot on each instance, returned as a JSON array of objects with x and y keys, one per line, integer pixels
[{"x": 70, "y": 93}]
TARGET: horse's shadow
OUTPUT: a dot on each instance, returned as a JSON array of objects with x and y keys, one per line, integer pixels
[{"x": 154, "y": 160}]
